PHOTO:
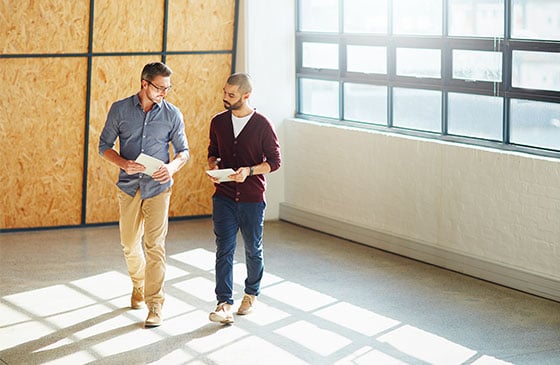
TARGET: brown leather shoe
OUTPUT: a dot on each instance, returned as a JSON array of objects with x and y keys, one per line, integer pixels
[
  {"x": 154, "y": 316},
  {"x": 137, "y": 298},
  {"x": 246, "y": 304}
]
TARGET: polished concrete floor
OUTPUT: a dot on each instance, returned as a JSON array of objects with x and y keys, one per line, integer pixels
[{"x": 64, "y": 295}]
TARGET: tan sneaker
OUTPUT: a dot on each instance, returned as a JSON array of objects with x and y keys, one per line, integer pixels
[
  {"x": 154, "y": 317},
  {"x": 137, "y": 298},
  {"x": 222, "y": 314},
  {"x": 246, "y": 304}
]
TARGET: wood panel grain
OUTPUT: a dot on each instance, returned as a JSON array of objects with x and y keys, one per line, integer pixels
[
  {"x": 128, "y": 26},
  {"x": 42, "y": 124},
  {"x": 46, "y": 26},
  {"x": 200, "y": 25}
]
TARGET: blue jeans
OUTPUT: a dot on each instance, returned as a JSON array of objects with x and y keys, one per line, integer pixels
[{"x": 230, "y": 217}]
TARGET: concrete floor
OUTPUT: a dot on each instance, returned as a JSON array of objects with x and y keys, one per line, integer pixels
[{"x": 64, "y": 296}]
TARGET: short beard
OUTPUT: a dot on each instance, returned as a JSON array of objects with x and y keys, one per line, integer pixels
[{"x": 235, "y": 106}]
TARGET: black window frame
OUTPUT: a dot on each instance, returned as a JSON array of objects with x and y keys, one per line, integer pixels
[{"x": 446, "y": 84}]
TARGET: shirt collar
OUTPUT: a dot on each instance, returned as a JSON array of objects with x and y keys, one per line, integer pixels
[{"x": 138, "y": 103}]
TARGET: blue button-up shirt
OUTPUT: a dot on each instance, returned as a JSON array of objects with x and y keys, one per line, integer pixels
[{"x": 148, "y": 132}]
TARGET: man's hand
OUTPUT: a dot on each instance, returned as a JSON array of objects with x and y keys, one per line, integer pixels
[
  {"x": 162, "y": 175},
  {"x": 214, "y": 164},
  {"x": 240, "y": 175},
  {"x": 132, "y": 167}
]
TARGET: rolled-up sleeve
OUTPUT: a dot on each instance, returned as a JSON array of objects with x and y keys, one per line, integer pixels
[
  {"x": 178, "y": 136},
  {"x": 109, "y": 133},
  {"x": 272, "y": 150}
]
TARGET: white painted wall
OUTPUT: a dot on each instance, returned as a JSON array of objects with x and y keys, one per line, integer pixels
[
  {"x": 491, "y": 205},
  {"x": 266, "y": 50}
]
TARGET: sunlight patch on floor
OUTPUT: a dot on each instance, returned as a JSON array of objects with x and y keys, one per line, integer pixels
[
  {"x": 88, "y": 319},
  {"x": 316, "y": 339},
  {"x": 51, "y": 300},
  {"x": 198, "y": 257},
  {"x": 368, "y": 356},
  {"x": 255, "y": 349},
  {"x": 201, "y": 288},
  {"x": 298, "y": 296},
  {"x": 427, "y": 346},
  {"x": 357, "y": 319}
]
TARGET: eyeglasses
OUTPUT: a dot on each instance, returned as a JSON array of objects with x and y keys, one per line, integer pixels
[{"x": 159, "y": 88}]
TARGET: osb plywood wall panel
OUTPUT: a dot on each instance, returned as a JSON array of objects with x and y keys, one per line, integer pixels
[
  {"x": 128, "y": 26},
  {"x": 201, "y": 25},
  {"x": 42, "y": 132},
  {"x": 198, "y": 82},
  {"x": 45, "y": 112},
  {"x": 46, "y": 26},
  {"x": 112, "y": 78}
]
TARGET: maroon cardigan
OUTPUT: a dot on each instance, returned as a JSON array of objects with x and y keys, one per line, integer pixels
[{"x": 256, "y": 143}]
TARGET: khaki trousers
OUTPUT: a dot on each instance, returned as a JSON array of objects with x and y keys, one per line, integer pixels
[{"x": 147, "y": 219}]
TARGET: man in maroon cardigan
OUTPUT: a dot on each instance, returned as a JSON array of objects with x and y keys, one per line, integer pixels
[{"x": 245, "y": 141}]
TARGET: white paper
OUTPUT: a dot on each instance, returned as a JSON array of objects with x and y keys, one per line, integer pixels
[
  {"x": 222, "y": 174},
  {"x": 152, "y": 164}
]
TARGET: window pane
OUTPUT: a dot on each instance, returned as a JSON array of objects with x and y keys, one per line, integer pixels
[
  {"x": 366, "y": 59},
  {"x": 320, "y": 55},
  {"x": 365, "y": 16},
  {"x": 365, "y": 103},
  {"x": 319, "y": 97},
  {"x": 536, "y": 19},
  {"x": 417, "y": 109},
  {"x": 318, "y": 15},
  {"x": 477, "y": 65},
  {"x": 417, "y": 17},
  {"x": 478, "y": 18},
  {"x": 535, "y": 123},
  {"x": 476, "y": 116},
  {"x": 418, "y": 62},
  {"x": 536, "y": 70}
]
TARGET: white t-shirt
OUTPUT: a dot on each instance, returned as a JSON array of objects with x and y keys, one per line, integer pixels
[{"x": 239, "y": 123}]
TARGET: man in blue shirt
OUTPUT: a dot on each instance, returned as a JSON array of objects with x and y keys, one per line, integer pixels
[{"x": 145, "y": 123}]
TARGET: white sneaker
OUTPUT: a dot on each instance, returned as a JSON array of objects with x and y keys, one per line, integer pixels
[{"x": 222, "y": 314}]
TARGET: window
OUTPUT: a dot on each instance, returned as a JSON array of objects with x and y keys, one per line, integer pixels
[
  {"x": 366, "y": 59},
  {"x": 418, "y": 62},
  {"x": 319, "y": 98},
  {"x": 477, "y": 65},
  {"x": 365, "y": 103},
  {"x": 417, "y": 109},
  {"x": 476, "y": 71},
  {"x": 536, "y": 70},
  {"x": 476, "y": 18},
  {"x": 417, "y": 17}
]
